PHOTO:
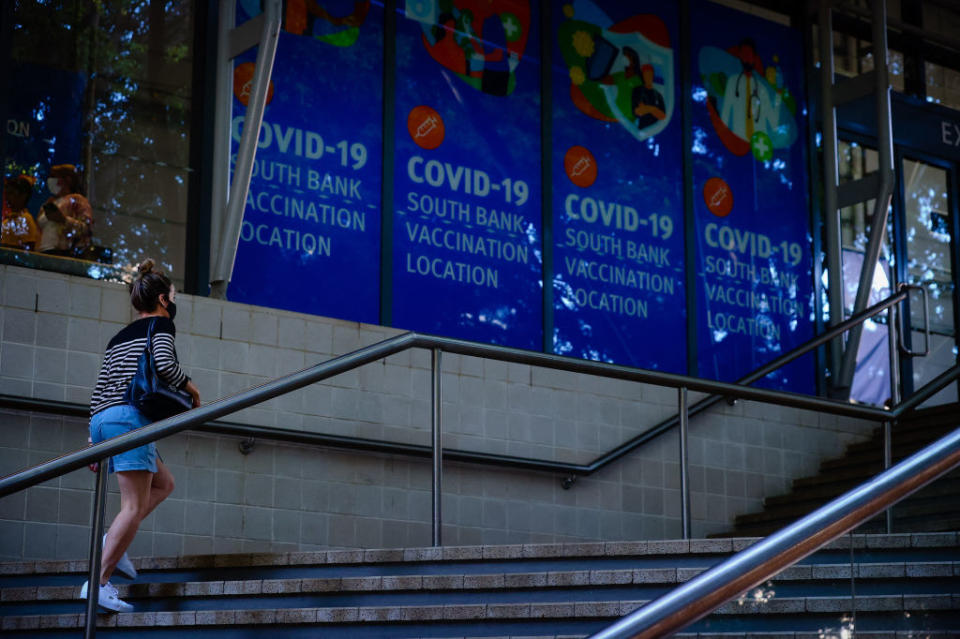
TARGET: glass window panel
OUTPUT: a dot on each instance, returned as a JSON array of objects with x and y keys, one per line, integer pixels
[
  {"x": 943, "y": 355},
  {"x": 943, "y": 85},
  {"x": 854, "y": 162},
  {"x": 105, "y": 87},
  {"x": 928, "y": 229},
  {"x": 894, "y": 60},
  {"x": 871, "y": 382},
  {"x": 941, "y": 19}
]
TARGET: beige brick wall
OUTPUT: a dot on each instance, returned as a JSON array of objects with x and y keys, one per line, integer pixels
[{"x": 52, "y": 332}]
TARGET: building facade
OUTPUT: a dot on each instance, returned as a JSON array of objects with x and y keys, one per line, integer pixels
[{"x": 631, "y": 185}]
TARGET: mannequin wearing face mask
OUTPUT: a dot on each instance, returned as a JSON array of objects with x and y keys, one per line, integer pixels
[{"x": 66, "y": 219}]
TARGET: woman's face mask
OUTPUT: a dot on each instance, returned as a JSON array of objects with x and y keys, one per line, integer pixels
[
  {"x": 171, "y": 304},
  {"x": 53, "y": 184}
]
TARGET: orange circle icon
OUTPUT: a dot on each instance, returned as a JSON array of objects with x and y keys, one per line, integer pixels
[
  {"x": 718, "y": 197},
  {"x": 425, "y": 127},
  {"x": 243, "y": 83},
  {"x": 580, "y": 166}
]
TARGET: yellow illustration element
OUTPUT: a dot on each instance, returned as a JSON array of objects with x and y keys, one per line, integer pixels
[
  {"x": 583, "y": 43},
  {"x": 568, "y": 10},
  {"x": 577, "y": 76}
]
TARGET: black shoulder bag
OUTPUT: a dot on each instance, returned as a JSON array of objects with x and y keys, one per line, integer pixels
[{"x": 149, "y": 393}]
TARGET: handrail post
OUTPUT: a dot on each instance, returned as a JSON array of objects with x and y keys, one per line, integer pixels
[
  {"x": 893, "y": 341},
  {"x": 96, "y": 546},
  {"x": 436, "y": 431},
  {"x": 684, "y": 464},
  {"x": 887, "y": 462}
]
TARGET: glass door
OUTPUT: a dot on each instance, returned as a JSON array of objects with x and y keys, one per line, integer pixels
[
  {"x": 871, "y": 379},
  {"x": 928, "y": 250}
]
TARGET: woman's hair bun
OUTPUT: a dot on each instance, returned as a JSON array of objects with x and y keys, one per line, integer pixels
[{"x": 145, "y": 267}]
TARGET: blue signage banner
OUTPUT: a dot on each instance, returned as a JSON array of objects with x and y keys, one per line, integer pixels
[
  {"x": 750, "y": 193},
  {"x": 618, "y": 286},
  {"x": 467, "y": 206},
  {"x": 310, "y": 240}
]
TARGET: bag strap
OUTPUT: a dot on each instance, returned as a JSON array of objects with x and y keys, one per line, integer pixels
[{"x": 152, "y": 325}]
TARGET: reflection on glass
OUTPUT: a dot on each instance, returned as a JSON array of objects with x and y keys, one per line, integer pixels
[
  {"x": 855, "y": 161},
  {"x": 852, "y": 57},
  {"x": 871, "y": 381},
  {"x": 928, "y": 224},
  {"x": 871, "y": 378},
  {"x": 104, "y": 87},
  {"x": 943, "y": 85}
]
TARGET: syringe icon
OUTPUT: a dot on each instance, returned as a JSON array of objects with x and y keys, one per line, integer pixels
[
  {"x": 426, "y": 127},
  {"x": 581, "y": 167},
  {"x": 719, "y": 196}
]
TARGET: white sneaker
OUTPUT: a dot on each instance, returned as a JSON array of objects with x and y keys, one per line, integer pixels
[
  {"x": 108, "y": 598},
  {"x": 124, "y": 566}
]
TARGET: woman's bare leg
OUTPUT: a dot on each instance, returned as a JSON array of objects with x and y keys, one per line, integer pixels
[
  {"x": 135, "y": 497},
  {"x": 160, "y": 487}
]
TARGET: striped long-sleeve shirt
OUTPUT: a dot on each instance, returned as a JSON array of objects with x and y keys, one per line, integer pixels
[{"x": 123, "y": 354}]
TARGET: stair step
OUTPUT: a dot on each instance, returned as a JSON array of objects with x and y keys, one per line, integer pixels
[
  {"x": 811, "y": 498},
  {"x": 549, "y": 590},
  {"x": 606, "y": 611},
  {"x": 903, "y": 435},
  {"x": 861, "y": 462},
  {"x": 874, "y": 453},
  {"x": 456, "y": 583},
  {"x": 944, "y": 413}
]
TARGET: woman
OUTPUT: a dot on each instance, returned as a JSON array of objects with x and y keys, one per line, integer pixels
[{"x": 144, "y": 479}]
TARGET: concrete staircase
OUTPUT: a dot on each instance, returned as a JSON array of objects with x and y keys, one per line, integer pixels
[
  {"x": 936, "y": 508},
  {"x": 903, "y": 586}
]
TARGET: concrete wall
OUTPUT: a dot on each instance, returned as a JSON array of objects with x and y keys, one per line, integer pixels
[{"x": 52, "y": 332}]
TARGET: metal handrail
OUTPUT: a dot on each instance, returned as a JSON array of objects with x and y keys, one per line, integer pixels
[
  {"x": 450, "y": 454},
  {"x": 927, "y": 391},
  {"x": 294, "y": 381},
  {"x": 391, "y": 346},
  {"x": 172, "y": 425},
  {"x": 761, "y": 372},
  {"x": 705, "y": 593}
]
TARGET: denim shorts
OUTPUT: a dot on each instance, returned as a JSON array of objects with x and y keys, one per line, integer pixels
[{"x": 115, "y": 421}]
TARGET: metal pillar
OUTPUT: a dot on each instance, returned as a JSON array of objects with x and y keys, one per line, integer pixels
[
  {"x": 878, "y": 186},
  {"x": 831, "y": 177},
  {"x": 436, "y": 432},
  {"x": 229, "y": 197}
]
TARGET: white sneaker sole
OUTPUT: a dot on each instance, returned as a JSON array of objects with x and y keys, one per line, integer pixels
[{"x": 109, "y": 604}]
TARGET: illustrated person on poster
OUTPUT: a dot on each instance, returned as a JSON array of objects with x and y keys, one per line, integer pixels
[
  {"x": 482, "y": 41},
  {"x": 619, "y": 71},
  {"x": 328, "y": 21},
  {"x": 66, "y": 220},
  {"x": 19, "y": 229},
  {"x": 646, "y": 101},
  {"x": 750, "y": 107}
]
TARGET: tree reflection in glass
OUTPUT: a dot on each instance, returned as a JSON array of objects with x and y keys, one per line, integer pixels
[{"x": 106, "y": 86}]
